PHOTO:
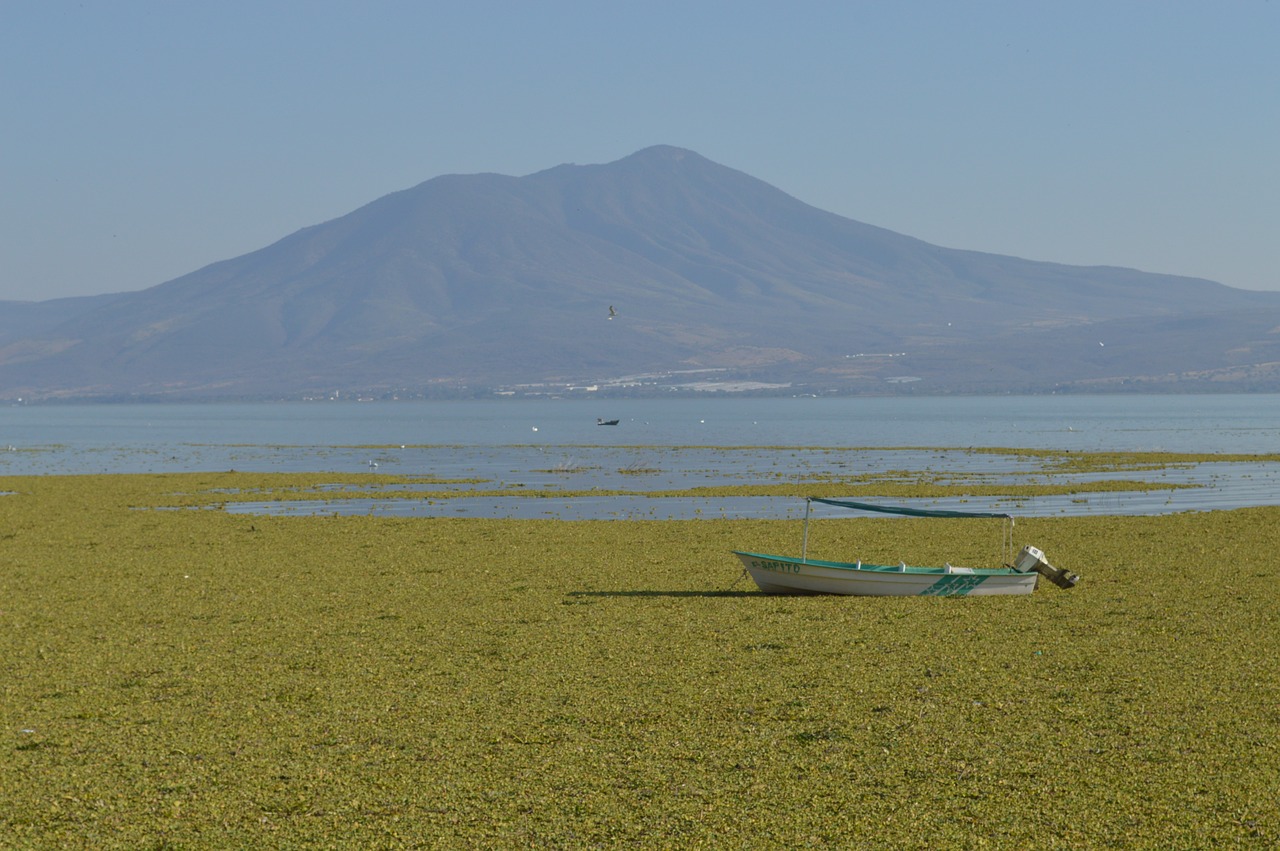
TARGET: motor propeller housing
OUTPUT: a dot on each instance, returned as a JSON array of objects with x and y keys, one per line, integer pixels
[{"x": 1033, "y": 559}]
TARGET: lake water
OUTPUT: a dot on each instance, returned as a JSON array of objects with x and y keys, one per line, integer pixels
[{"x": 658, "y": 444}]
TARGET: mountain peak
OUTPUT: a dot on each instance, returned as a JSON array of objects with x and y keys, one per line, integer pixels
[{"x": 663, "y": 153}]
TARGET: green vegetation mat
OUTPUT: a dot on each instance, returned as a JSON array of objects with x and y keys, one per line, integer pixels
[{"x": 194, "y": 679}]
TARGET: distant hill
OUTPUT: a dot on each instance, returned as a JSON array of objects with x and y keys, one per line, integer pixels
[{"x": 482, "y": 283}]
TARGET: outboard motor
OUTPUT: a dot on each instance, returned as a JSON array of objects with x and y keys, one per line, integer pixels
[{"x": 1032, "y": 559}]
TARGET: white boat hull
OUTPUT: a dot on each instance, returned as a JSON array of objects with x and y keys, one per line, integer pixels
[{"x": 786, "y": 575}]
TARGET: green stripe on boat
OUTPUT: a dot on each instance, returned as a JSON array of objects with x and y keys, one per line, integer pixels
[{"x": 953, "y": 586}]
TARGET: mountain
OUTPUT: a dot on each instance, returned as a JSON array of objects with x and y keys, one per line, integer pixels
[{"x": 476, "y": 283}]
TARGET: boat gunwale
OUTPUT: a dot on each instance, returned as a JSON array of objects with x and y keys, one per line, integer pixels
[{"x": 862, "y": 567}]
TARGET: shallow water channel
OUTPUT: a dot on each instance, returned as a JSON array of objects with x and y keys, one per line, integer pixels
[{"x": 645, "y": 472}]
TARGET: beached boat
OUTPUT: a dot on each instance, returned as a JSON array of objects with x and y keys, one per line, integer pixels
[{"x": 776, "y": 574}]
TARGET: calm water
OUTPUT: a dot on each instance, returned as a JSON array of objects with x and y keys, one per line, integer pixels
[
  {"x": 659, "y": 443},
  {"x": 1229, "y": 423}
]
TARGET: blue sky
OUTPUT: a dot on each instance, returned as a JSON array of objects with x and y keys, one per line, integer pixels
[{"x": 142, "y": 140}]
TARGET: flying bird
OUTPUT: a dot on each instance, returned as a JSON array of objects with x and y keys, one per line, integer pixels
[{"x": 612, "y": 312}]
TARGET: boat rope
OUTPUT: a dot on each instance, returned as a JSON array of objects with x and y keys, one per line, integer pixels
[{"x": 741, "y": 576}]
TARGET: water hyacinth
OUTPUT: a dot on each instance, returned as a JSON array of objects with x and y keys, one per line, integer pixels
[{"x": 192, "y": 678}]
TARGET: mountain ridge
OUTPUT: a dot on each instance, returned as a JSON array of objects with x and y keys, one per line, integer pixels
[{"x": 474, "y": 283}]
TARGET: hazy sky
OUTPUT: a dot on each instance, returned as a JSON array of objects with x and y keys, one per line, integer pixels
[{"x": 140, "y": 141}]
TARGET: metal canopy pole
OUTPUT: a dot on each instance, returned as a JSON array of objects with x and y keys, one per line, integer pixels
[{"x": 804, "y": 550}]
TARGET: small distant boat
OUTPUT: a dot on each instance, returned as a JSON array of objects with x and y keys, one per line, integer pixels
[
  {"x": 775, "y": 574},
  {"x": 605, "y": 422}
]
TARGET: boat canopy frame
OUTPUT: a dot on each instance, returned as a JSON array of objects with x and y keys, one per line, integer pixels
[{"x": 905, "y": 511}]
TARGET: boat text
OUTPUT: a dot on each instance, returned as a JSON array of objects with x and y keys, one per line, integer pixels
[{"x": 776, "y": 566}]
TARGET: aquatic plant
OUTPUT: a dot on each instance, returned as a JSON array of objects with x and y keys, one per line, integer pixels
[{"x": 200, "y": 679}]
